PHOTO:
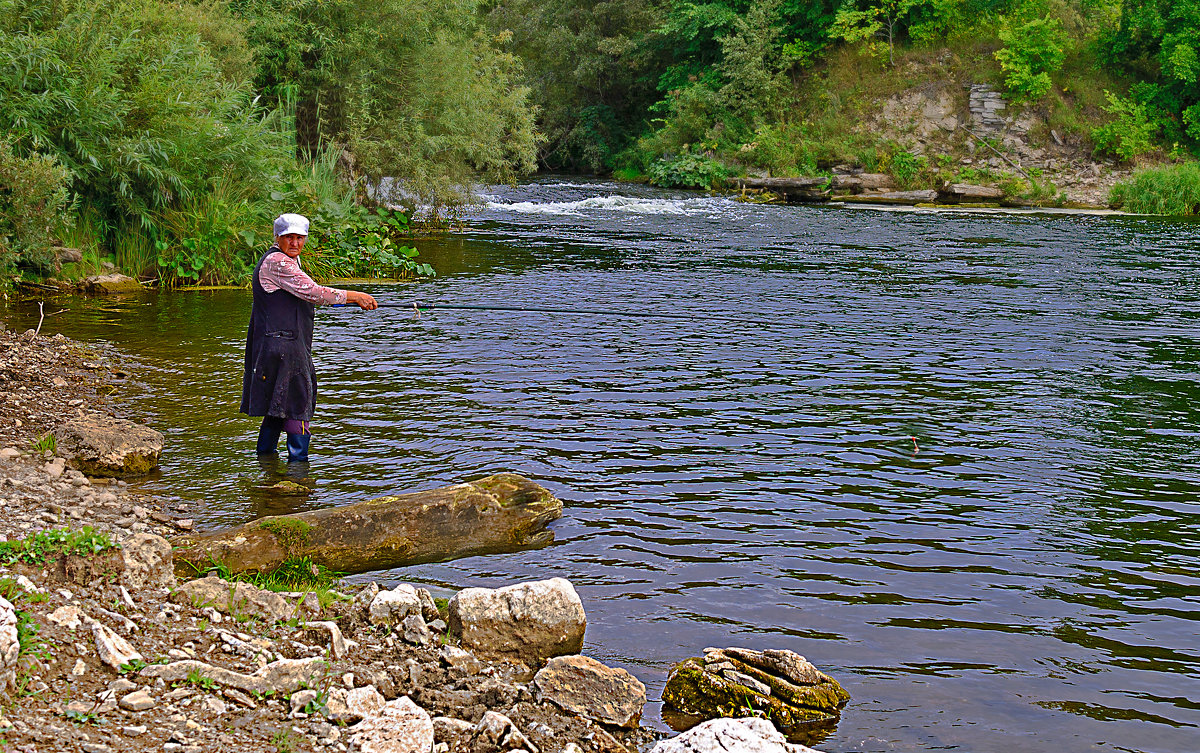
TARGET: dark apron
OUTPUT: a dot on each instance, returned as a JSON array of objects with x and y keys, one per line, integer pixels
[{"x": 279, "y": 378}]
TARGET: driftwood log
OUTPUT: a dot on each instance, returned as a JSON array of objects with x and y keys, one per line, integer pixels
[{"x": 500, "y": 513}]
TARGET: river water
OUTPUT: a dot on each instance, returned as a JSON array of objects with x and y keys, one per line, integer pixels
[{"x": 950, "y": 457}]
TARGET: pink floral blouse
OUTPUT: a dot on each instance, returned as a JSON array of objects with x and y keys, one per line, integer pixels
[{"x": 281, "y": 272}]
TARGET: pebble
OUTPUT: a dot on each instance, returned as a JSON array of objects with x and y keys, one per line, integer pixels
[{"x": 134, "y": 731}]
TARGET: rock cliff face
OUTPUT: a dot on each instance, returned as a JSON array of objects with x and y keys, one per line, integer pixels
[{"x": 975, "y": 128}]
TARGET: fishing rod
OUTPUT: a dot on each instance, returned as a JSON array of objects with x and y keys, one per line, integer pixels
[{"x": 417, "y": 310}]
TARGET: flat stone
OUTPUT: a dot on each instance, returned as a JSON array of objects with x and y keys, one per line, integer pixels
[
  {"x": 583, "y": 686},
  {"x": 114, "y": 650},
  {"x": 104, "y": 446},
  {"x": 138, "y": 700},
  {"x": 284, "y": 676}
]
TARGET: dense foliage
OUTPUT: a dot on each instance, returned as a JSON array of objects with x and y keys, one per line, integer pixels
[
  {"x": 166, "y": 133},
  {"x": 175, "y": 125}
]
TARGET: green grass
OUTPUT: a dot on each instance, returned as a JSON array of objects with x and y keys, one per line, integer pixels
[
  {"x": 1172, "y": 190},
  {"x": 197, "y": 679},
  {"x": 44, "y": 443},
  {"x": 294, "y": 574},
  {"x": 43, "y": 546}
]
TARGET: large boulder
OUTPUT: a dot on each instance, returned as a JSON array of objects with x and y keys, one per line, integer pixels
[
  {"x": 400, "y": 727},
  {"x": 147, "y": 562},
  {"x": 104, "y": 446},
  {"x": 112, "y": 284},
  {"x": 749, "y": 735},
  {"x": 781, "y": 684},
  {"x": 585, "y": 687},
  {"x": 235, "y": 599},
  {"x": 527, "y": 622}
]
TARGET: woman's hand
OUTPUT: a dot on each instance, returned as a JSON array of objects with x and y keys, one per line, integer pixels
[{"x": 362, "y": 300}]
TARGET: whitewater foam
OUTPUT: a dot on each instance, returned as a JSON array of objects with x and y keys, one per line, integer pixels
[{"x": 629, "y": 204}]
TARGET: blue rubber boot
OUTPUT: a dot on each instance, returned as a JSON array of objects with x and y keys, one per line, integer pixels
[
  {"x": 268, "y": 435},
  {"x": 297, "y": 445}
]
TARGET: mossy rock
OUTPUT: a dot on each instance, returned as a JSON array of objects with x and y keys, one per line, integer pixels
[{"x": 704, "y": 688}]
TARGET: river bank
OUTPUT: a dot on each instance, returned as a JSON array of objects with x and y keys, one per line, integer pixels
[{"x": 113, "y": 656}]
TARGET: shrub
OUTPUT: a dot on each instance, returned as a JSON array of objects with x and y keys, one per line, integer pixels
[
  {"x": 1173, "y": 190},
  {"x": 1032, "y": 51},
  {"x": 906, "y": 167},
  {"x": 687, "y": 171},
  {"x": 33, "y": 202},
  {"x": 1130, "y": 131}
]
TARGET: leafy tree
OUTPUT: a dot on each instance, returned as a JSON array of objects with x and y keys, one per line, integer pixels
[
  {"x": 590, "y": 71},
  {"x": 873, "y": 22},
  {"x": 1129, "y": 134},
  {"x": 417, "y": 89},
  {"x": 1159, "y": 42},
  {"x": 1032, "y": 50},
  {"x": 751, "y": 62}
]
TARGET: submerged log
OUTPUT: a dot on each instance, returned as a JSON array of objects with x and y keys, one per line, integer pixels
[{"x": 500, "y": 513}]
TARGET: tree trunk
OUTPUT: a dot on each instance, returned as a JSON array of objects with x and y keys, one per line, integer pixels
[{"x": 500, "y": 513}]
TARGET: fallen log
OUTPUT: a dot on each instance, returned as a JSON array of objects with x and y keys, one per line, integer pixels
[{"x": 500, "y": 513}]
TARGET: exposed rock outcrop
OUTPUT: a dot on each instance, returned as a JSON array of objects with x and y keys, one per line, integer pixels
[
  {"x": 780, "y": 683},
  {"x": 100, "y": 445}
]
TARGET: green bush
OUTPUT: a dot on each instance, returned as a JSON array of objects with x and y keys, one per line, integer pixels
[
  {"x": 906, "y": 167},
  {"x": 1130, "y": 132},
  {"x": 687, "y": 171},
  {"x": 1032, "y": 51},
  {"x": 1173, "y": 190},
  {"x": 33, "y": 202}
]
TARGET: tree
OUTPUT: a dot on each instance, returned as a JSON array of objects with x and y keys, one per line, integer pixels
[
  {"x": 871, "y": 20},
  {"x": 1032, "y": 50}
]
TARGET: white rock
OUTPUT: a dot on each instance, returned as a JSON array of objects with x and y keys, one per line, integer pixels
[
  {"x": 113, "y": 649},
  {"x": 8, "y": 453},
  {"x": 147, "y": 562},
  {"x": 530, "y": 622},
  {"x": 749, "y": 735},
  {"x": 349, "y": 706},
  {"x": 10, "y": 646},
  {"x": 29, "y": 586},
  {"x": 337, "y": 643},
  {"x": 400, "y": 727},
  {"x": 138, "y": 700},
  {"x": 496, "y": 731},
  {"x": 391, "y": 607}
]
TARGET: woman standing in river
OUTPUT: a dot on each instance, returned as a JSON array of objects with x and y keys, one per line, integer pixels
[{"x": 279, "y": 382}]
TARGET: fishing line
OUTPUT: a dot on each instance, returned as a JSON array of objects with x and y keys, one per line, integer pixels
[{"x": 418, "y": 309}]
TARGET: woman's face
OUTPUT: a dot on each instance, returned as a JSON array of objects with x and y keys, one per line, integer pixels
[{"x": 291, "y": 244}]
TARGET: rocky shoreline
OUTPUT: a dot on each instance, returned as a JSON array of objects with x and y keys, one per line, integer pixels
[{"x": 103, "y": 649}]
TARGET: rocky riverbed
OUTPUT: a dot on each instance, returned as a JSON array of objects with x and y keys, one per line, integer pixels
[{"x": 103, "y": 649}]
